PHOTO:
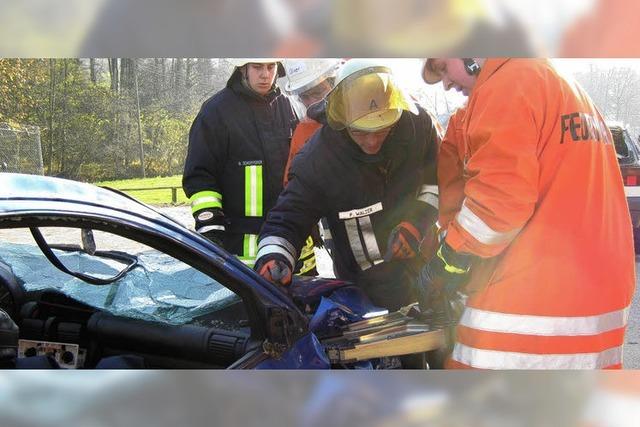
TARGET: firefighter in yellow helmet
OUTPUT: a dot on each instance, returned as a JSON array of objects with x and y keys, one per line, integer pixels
[{"x": 370, "y": 170}]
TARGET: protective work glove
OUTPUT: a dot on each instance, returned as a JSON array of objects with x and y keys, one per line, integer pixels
[
  {"x": 210, "y": 223},
  {"x": 431, "y": 241},
  {"x": 443, "y": 275},
  {"x": 275, "y": 268},
  {"x": 404, "y": 242}
]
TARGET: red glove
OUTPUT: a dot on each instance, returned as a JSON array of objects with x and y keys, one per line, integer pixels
[
  {"x": 275, "y": 269},
  {"x": 404, "y": 242}
]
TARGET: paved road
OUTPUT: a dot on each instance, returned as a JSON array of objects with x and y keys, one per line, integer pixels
[{"x": 632, "y": 339}]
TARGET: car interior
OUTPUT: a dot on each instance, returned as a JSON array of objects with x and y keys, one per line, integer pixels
[
  {"x": 49, "y": 321},
  {"x": 79, "y": 335}
]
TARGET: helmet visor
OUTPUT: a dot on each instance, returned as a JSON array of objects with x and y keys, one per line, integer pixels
[{"x": 370, "y": 99}]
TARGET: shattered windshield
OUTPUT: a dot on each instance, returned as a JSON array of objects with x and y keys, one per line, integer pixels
[{"x": 160, "y": 288}]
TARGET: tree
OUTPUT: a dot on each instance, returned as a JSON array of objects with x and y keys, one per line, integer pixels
[
  {"x": 114, "y": 73},
  {"x": 22, "y": 80},
  {"x": 615, "y": 91},
  {"x": 87, "y": 110}
]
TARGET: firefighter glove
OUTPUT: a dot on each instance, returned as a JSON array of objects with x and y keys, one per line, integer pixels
[
  {"x": 404, "y": 242},
  {"x": 210, "y": 223},
  {"x": 444, "y": 274},
  {"x": 275, "y": 268}
]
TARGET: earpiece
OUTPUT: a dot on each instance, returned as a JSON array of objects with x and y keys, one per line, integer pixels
[{"x": 471, "y": 66}]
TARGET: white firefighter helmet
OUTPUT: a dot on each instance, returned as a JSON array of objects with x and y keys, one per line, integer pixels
[
  {"x": 366, "y": 97},
  {"x": 304, "y": 74}
]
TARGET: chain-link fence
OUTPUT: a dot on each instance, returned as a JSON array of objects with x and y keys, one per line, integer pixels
[{"x": 20, "y": 149}]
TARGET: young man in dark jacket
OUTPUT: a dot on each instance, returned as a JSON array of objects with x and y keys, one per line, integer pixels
[
  {"x": 371, "y": 171},
  {"x": 238, "y": 149}
]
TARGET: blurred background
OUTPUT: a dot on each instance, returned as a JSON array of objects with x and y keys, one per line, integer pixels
[
  {"x": 335, "y": 28},
  {"x": 337, "y": 399}
]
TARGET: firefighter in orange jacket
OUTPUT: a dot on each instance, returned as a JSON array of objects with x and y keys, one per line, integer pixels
[
  {"x": 543, "y": 203},
  {"x": 308, "y": 82}
]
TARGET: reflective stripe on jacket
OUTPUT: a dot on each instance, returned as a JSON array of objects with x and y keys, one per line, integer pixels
[{"x": 543, "y": 197}]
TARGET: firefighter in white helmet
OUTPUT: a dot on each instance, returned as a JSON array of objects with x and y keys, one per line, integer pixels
[
  {"x": 308, "y": 82},
  {"x": 238, "y": 149},
  {"x": 370, "y": 170}
]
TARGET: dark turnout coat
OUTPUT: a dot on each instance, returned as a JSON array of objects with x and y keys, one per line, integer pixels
[
  {"x": 238, "y": 149},
  {"x": 363, "y": 198}
]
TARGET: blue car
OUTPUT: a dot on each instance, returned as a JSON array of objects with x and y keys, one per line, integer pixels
[
  {"x": 92, "y": 277},
  {"x": 628, "y": 153}
]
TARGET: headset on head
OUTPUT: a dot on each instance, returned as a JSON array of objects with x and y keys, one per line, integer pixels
[{"x": 471, "y": 66}]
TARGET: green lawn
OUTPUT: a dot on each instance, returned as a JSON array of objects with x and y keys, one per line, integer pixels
[{"x": 152, "y": 197}]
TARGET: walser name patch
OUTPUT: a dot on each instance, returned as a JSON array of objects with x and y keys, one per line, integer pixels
[{"x": 357, "y": 213}]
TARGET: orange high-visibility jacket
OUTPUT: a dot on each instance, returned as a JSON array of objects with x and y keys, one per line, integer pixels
[
  {"x": 543, "y": 193},
  {"x": 304, "y": 131},
  {"x": 451, "y": 170}
]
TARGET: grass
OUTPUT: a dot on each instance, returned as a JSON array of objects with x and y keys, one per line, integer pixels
[{"x": 150, "y": 196}]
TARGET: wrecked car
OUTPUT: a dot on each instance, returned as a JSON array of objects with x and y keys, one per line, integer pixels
[{"x": 89, "y": 274}]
